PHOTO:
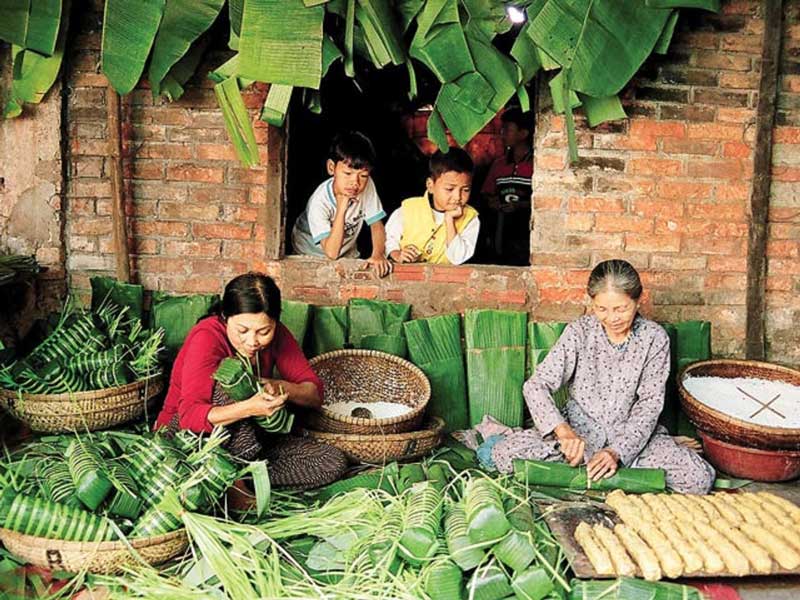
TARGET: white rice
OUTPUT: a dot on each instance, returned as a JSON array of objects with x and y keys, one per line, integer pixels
[
  {"x": 379, "y": 410},
  {"x": 727, "y": 396}
]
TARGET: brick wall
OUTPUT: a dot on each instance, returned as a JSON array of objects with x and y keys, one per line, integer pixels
[{"x": 667, "y": 189}]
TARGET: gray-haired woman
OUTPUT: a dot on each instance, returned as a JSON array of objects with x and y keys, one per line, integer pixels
[{"x": 615, "y": 364}]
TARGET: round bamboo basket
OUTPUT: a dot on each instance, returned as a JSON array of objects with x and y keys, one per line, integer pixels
[
  {"x": 369, "y": 376},
  {"x": 730, "y": 429},
  {"x": 107, "y": 558},
  {"x": 81, "y": 411},
  {"x": 385, "y": 448}
]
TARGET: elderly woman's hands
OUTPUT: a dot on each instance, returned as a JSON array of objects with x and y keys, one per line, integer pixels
[
  {"x": 572, "y": 445},
  {"x": 602, "y": 465}
]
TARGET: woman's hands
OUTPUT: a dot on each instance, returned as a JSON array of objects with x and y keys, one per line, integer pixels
[
  {"x": 572, "y": 445},
  {"x": 602, "y": 465},
  {"x": 265, "y": 403}
]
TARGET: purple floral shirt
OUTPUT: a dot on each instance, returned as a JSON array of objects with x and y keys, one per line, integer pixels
[{"x": 616, "y": 392}]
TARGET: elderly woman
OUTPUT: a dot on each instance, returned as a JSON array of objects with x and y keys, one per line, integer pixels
[{"x": 615, "y": 364}]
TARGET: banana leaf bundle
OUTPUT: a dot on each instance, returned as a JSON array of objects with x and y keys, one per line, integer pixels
[
  {"x": 239, "y": 383},
  {"x": 434, "y": 345},
  {"x": 627, "y": 588},
  {"x": 296, "y": 317},
  {"x": 495, "y": 342},
  {"x": 553, "y": 474},
  {"x": 176, "y": 315},
  {"x": 541, "y": 338},
  {"x": 378, "y": 325},
  {"x": 329, "y": 329}
]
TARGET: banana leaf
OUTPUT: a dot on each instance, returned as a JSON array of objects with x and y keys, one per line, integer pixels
[
  {"x": 176, "y": 315},
  {"x": 495, "y": 341},
  {"x": 172, "y": 85},
  {"x": 603, "y": 44},
  {"x": 296, "y": 317},
  {"x": 281, "y": 42},
  {"x": 439, "y": 42},
  {"x": 277, "y": 104},
  {"x": 670, "y": 414},
  {"x": 381, "y": 31},
  {"x": 436, "y": 131},
  {"x": 557, "y": 93},
  {"x": 662, "y": 45},
  {"x": 43, "y": 26},
  {"x": 532, "y": 584},
  {"x": 693, "y": 344},
  {"x": 129, "y": 29},
  {"x": 600, "y": 110},
  {"x": 434, "y": 345},
  {"x": 541, "y": 339},
  {"x": 377, "y": 319},
  {"x": 486, "y": 19},
  {"x": 408, "y": 10},
  {"x": 554, "y": 474},
  {"x": 128, "y": 295},
  {"x": 329, "y": 330},
  {"x": 237, "y": 121},
  {"x": 182, "y": 23},
  {"x": 524, "y": 52},
  {"x": 15, "y": 21},
  {"x": 627, "y": 588},
  {"x": 712, "y": 5}
]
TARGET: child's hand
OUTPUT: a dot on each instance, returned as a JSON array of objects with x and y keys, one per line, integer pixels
[
  {"x": 408, "y": 254},
  {"x": 380, "y": 264},
  {"x": 455, "y": 213},
  {"x": 343, "y": 202}
]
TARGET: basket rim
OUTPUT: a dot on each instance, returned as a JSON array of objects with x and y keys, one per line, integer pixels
[
  {"x": 392, "y": 358},
  {"x": 432, "y": 426},
  {"x": 782, "y": 432},
  {"x": 86, "y": 395},
  {"x": 775, "y": 453},
  {"x": 87, "y": 546}
]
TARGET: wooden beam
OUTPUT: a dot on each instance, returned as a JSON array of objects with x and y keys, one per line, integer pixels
[
  {"x": 118, "y": 219},
  {"x": 755, "y": 342},
  {"x": 273, "y": 214}
]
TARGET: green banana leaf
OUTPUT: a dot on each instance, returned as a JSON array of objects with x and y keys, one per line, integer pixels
[
  {"x": 281, "y": 42},
  {"x": 557, "y": 94},
  {"x": 183, "y": 22},
  {"x": 712, "y": 5},
  {"x": 14, "y": 24},
  {"x": 603, "y": 44},
  {"x": 277, "y": 104},
  {"x": 314, "y": 2},
  {"x": 524, "y": 52},
  {"x": 43, "y": 26},
  {"x": 408, "y": 11},
  {"x": 329, "y": 329},
  {"x": 129, "y": 29},
  {"x": 662, "y": 45},
  {"x": 440, "y": 43},
  {"x": 173, "y": 82},
  {"x": 486, "y": 18},
  {"x": 436, "y": 131},
  {"x": 237, "y": 121},
  {"x": 229, "y": 69},
  {"x": 296, "y": 316},
  {"x": 34, "y": 74},
  {"x": 600, "y": 110},
  {"x": 381, "y": 30},
  {"x": 235, "y": 10}
]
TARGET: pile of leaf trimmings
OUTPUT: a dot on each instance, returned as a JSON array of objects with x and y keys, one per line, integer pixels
[
  {"x": 236, "y": 378},
  {"x": 87, "y": 350},
  {"x": 101, "y": 485}
]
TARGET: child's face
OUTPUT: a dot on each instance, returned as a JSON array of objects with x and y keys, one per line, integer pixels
[
  {"x": 450, "y": 190},
  {"x": 347, "y": 180}
]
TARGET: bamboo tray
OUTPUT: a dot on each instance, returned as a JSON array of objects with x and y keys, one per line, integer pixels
[{"x": 564, "y": 518}]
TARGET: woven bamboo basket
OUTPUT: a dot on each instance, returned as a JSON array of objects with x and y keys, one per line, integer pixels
[
  {"x": 730, "y": 429},
  {"x": 81, "y": 411},
  {"x": 385, "y": 448},
  {"x": 106, "y": 558},
  {"x": 369, "y": 376}
]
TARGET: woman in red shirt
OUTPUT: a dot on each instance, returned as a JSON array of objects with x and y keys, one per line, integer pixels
[{"x": 245, "y": 322}]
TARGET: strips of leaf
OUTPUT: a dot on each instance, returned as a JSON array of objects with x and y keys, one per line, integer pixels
[
  {"x": 524, "y": 52},
  {"x": 277, "y": 104},
  {"x": 603, "y": 43},
  {"x": 712, "y": 5},
  {"x": 440, "y": 43},
  {"x": 237, "y": 121},
  {"x": 129, "y": 29},
  {"x": 666, "y": 34},
  {"x": 381, "y": 31},
  {"x": 600, "y": 110},
  {"x": 182, "y": 71},
  {"x": 282, "y": 42},
  {"x": 183, "y": 22}
]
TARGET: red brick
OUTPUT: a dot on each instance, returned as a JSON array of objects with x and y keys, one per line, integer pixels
[
  {"x": 191, "y": 285},
  {"x": 683, "y": 190},
  {"x": 746, "y": 81},
  {"x": 370, "y": 292},
  {"x": 239, "y": 249},
  {"x": 188, "y": 172},
  {"x": 224, "y": 268},
  {"x": 623, "y": 223},
  {"x": 783, "y": 267},
  {"x": 624, "y": 142},
  {"x": 148, "y": 169},
  {"x": 654, "y": 166},
  {"x": 730, "y": 168},
  {"x": 240, "y": 214},
  {"x": 166, "y": 115},
  {"x": 160, "y": 228},
  {"x": 666, "y": 129},
  {"x": 732, "y": 192},
  {"x": 716, "y": 212},
  {"x": 783, "y": 248},
  {"x": 255, "y": 175},
  {"x": 561, "y": 295},
  {"x": 216, "y": 152},
  {"x": 595, "y": 241},
  {"x": 780, "y": 283},
  {"x": 85, "y": 226},
  {"x": 580, "y": 221},
  {"x": 712, "y": 245},
  {"x": 716, "y": 60},
  {"x": 192, "y": 249},
  {"x": 505, "y": 297},
  {"x": 690, "y": 227},
  {"x": 736, "y": 150},
  {"x": 726, "y": 114},
  {"x": 547, "y": 202},
  {"x": 726, "y": 263},
  {"x": 550, "y": 161},
  {"x": 741, "y": 43},
  {"x": 786, "y": 135},
  {"x": 652, "y": 243},
  {"x": 725, "y": 281},
  {"x": 561, "y": 259},
  {"x": 595, "y": 204},
  {"x": 170, "y": 266},
  {"x": 311, "y": 293},
  {"x": 671, "y": 146},
  {"x": 669, "y": 262},
  {"x": 216, "y": 195},
  {"x": 715, "y": 131},
  {"x": 85, "y": 79},
  {"x": 408, "y": 272},
  {"x": 660, "y": 207},
  {"x": 258, "y": 196},
  {"x": 187, "y": 211},
  {"x": 84, "y": 147},
  {"x": 781, "y": 173},
  {"x": 220, "y": 231},
  {"x": 451, "y": 274},
  {"x": 159, "y": 150}
]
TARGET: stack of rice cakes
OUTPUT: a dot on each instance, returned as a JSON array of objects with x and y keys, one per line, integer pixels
[{"x": 674, "y": 535}]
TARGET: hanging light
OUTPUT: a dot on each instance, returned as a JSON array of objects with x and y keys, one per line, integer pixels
[{"x": 515, "y": 14}]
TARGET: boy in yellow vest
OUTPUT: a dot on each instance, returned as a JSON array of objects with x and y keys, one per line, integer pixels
[{"x": 439, "y": 227}]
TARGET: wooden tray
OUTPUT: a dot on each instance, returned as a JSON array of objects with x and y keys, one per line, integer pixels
[{"x": 564, "y": 518}]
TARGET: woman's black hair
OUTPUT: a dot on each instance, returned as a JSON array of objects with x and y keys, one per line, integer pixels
[{"x": 249, "y": 293}]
